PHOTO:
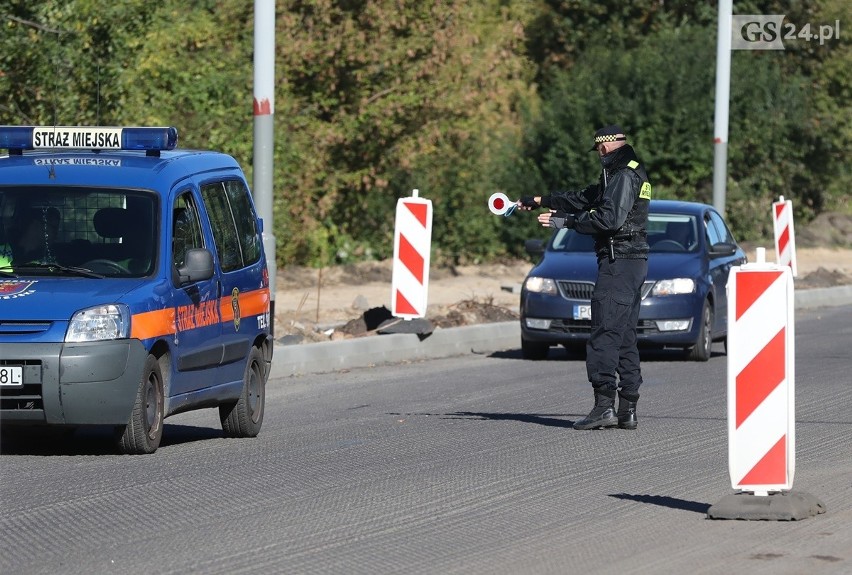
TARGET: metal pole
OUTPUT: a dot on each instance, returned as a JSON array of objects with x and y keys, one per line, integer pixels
[
  {"x": 723, "y": 94},
  {"x": 264, "y": 109}
]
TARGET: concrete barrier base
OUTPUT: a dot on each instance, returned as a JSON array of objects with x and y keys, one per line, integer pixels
[{"x": 783, "y": 506}]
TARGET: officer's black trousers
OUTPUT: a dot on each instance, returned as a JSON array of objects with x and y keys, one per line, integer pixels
[{"x": 615, "y": 312}]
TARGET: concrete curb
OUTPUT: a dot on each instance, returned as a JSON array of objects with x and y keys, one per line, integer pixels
[
  {"x": 823, "y": 297},
  {"x": 373, "y": 350},
  {"x": 290, "y": 360}
]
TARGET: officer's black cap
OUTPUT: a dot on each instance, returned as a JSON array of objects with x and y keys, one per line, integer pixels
[{"x": 612, "y": 133}]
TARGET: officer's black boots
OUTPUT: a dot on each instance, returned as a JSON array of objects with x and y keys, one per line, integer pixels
[
  {"x": 626, "y": 413},
  {"x": 602, "y": 414}
]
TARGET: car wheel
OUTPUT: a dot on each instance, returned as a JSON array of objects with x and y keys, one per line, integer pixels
[
  {"x": 534, "y": 350},
  {"x": 144, "y": 429},
  {"x": 702, "y": 349},
  {"x": 244, "y": 417}
]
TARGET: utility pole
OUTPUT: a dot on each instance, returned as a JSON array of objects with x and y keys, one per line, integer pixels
[
  {"x": 264, "y": 109},
  {"x": 723, "y": 95}
]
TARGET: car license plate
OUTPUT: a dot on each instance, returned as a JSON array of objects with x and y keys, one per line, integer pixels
[
  {"x": 11, "y": 376},
  {"x": 583, "y": 312}
]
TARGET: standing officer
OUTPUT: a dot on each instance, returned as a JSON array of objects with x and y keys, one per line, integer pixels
[{"x": 615, "y": 212}]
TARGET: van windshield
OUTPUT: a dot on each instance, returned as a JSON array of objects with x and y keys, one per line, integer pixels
[{"x": 50, "y": 230}]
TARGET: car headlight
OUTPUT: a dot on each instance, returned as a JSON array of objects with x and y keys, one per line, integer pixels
[
  {"x": 541, "y": 285},
  {"x": 99, "y": 323},
  {"x": 674, "y": 286}
]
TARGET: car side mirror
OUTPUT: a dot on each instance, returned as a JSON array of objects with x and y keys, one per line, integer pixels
[
  {"x": 722, "y": 249},
  {"x": 198, "y": 266},
  {"x": 534, "y": 247}
]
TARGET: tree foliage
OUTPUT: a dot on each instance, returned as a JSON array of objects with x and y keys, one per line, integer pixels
[{"x": 455, "y": 98}]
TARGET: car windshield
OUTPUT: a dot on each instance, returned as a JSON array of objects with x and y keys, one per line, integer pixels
[
  {"x": 672, "y": 233},
  {"x": 567, "y": 240},
  {"x": 666, "y": 233},
  {"x": 70, "y": 231}
]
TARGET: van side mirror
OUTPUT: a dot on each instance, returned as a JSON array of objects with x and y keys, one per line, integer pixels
[{"x": 198, "y": 266}]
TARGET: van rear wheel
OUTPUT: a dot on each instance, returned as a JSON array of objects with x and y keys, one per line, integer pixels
[{"x": 244, "y": 417}]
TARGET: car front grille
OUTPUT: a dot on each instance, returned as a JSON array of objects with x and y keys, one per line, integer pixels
[
  {"x": 576, "y": 290},
  {"x": 24, "y": 327},
  {"x": 575, "y": 326},
  {"x": 28, "y": 397},
  {"x": 583, "y": 290},
  {"x": 584, "y": 327}
]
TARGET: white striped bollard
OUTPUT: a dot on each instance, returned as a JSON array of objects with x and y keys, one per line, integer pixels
[{"x": 412, "y": 241}]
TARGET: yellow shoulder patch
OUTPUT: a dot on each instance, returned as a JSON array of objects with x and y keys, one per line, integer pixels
[
  {"x": 645, "y": 191},
  {"x": 632, "y": 164}
]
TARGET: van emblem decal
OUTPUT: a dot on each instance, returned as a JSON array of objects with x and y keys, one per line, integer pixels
[
  {"x": 13, "y": 289},
  {"x": 235, "y": 305}
]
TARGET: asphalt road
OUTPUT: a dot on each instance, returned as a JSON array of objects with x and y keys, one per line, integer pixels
[{"x": 459, "y": 465}]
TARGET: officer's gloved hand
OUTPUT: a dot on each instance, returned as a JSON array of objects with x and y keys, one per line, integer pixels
[
  {"x": 560, "y": 219},
  {"x": 529, "y": 202}
]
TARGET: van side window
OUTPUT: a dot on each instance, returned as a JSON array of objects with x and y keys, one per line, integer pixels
[
  {"x": 186, "y": 230},
  {"x": 246, "y": 221},
  {"x": 234, "y": 224}
]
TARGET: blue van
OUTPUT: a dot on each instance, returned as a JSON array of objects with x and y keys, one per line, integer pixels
[{"x": 133, "y": 284}]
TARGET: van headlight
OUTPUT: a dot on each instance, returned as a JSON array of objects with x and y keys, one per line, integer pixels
[
  {"x": 99, "y": 323},
  {"x": 675, "y": 286},
  {"x": 540, "y": 285}
]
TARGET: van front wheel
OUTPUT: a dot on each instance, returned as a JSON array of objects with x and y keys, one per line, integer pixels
[{"x": 144, "y": 428}]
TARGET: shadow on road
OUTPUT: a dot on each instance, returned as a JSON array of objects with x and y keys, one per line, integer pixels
[
  {"x": 557, "y": 353},
  {"x": 666, "y": 501},
  {"x": 548, "y": 419},
  {"x": 95, "y": 440}
]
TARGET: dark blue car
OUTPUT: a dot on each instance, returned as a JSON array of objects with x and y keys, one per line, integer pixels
[{"x": 684, "y": 302}]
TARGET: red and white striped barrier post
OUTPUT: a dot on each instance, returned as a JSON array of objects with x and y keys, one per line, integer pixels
[
  {"x": 412, "y": 242},
  {"x": 785, "y": 238},
  {"x": 761, "y": 396},
  {"x": 761, "y": 378}
]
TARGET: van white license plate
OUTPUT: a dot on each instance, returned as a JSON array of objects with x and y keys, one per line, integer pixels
[
  {"x": 11, "y": 376},
  {"x": 583, "y": 312}
]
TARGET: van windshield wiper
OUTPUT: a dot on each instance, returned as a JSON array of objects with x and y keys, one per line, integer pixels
[{"x": 72, "y": 270}]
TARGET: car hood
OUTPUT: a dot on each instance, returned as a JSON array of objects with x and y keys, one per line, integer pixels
[
  {"x": 574, "y": 266},
  {"x": 56, "y": 299},
  {"x": 669, "y": 265}
]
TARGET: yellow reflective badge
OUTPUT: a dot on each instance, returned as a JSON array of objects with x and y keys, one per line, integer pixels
[
  {"x": 632, "y": 164},
  {"x": 645, "y": 191}
]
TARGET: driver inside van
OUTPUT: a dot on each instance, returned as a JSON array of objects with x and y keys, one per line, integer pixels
[{"x": 32, "y": 242}]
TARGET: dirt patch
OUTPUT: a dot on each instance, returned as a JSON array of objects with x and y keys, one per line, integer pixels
[{"x": 823, "y": 278}]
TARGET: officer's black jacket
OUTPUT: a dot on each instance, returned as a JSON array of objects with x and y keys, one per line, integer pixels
[{"x": 616, "y": 207}]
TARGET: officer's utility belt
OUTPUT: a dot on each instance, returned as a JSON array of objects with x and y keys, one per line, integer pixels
[
  {"x": 628, "y": 236},
  {"x": 623, "y": 236}
]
